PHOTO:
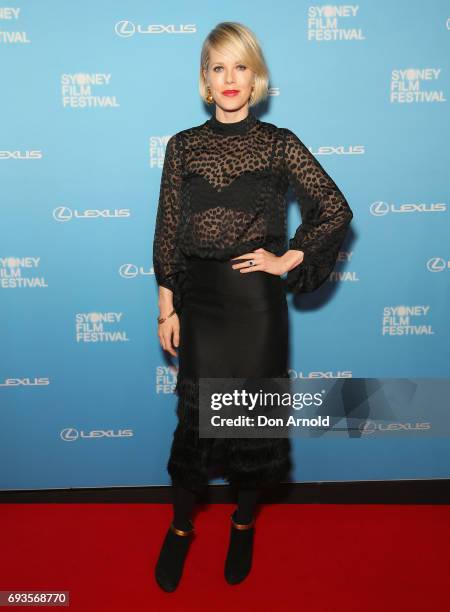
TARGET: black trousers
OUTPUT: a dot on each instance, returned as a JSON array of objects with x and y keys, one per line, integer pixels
[{"x": 232, "y": 325}]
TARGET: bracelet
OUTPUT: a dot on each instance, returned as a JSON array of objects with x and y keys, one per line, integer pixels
[{"x": 162, "y": 319}]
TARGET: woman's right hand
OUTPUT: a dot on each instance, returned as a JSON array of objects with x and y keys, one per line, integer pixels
[{"x": 169, "y": 333}]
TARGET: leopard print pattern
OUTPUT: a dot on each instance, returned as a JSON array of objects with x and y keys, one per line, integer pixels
[{"x": 223, "y": 193}]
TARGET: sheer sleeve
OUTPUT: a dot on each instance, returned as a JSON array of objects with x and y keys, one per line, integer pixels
[
  {"x": 167, "y": 258},
  {"x": 325, "y": 214}
]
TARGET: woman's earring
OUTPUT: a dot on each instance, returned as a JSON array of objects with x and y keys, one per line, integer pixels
[
  {"x": 251, "y": 95},
  {"x": 209, "y": 97}
]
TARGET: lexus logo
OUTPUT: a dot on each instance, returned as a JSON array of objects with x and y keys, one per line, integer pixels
[
  {"x": 436, "y": 264},
  {"x": 62, "y": 213},
  {"x": 69, "y": 434},
  {"x": 379, "y": 209},
  {"x": 125, "y": 29}
]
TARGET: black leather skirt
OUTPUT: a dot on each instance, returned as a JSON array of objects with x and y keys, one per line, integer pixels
[{"x": 232, "y": 325}]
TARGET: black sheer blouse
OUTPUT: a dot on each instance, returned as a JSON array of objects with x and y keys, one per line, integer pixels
[{"x": 222, "y": 194}]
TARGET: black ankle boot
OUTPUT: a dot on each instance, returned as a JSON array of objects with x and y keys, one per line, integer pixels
[
  {"x": 240, "y": 551},
  {"x": 169, "y": 567}
]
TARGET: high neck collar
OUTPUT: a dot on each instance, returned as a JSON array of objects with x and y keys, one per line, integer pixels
[{"x": 234, "y": 128}]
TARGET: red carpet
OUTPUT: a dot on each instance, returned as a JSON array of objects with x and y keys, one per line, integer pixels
[{"x": 307, "y": 557}]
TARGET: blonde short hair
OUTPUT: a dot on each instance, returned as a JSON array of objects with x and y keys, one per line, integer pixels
[{"x": 242, "y": 42}]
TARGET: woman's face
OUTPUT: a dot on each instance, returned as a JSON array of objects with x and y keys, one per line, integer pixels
[{"x": 229, "y": 80}]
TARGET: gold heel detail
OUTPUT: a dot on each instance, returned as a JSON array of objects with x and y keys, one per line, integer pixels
[
  {"x": 242, "y": 525},
  {"x": 181, "y": 532}
]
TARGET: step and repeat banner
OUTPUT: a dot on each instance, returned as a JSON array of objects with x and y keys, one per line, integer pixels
[{"x": 91, "y": 92}]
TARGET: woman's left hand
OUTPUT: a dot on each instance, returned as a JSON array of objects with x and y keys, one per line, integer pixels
[{"x": 264, "y": 261}]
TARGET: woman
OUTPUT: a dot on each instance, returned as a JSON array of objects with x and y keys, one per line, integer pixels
[{"x": 219, "y": 254}]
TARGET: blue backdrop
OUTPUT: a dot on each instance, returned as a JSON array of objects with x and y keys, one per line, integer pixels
[{"x": 90, "y": 94}]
